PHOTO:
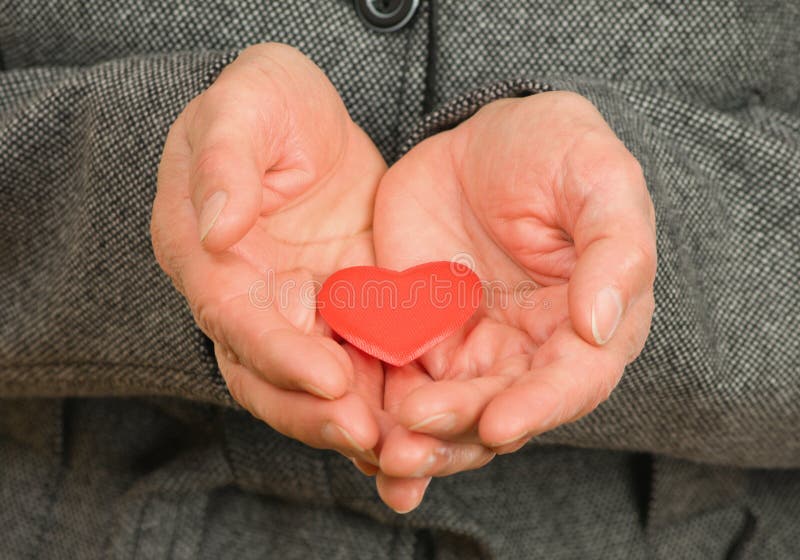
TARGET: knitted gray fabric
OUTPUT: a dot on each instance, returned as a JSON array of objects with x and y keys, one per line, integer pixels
[{"x": 708, "y": 99}]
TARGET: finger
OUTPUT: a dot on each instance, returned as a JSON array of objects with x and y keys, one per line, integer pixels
[
  {"x": 269, "y": 128},
  {"x": 540, "y": 312},
  {"x": 450, "y": 409},
  {"x": 346, "y": 425},
  {"x": 369, "y": 378},
  {"x": 400, "y": 382},
  {"x": 265, "y": 342},
  {"x": 408, "y": 454},
  {"x": 401, "y": 494},
  {"x": 169, "y": 202},
  {"x": 614, "y": 236},
  {"x": 513, "y": 446},
  {"x": 220, "y": 289},
  {"x": 543, "y": 400},
  {"x": 569, "y": 378},
  {"x": 227, "y": 131}
]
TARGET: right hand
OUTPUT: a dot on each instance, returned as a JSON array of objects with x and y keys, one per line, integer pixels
[{"x": 266, "y": 184}]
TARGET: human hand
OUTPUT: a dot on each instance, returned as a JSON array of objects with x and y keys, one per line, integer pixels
[
  {"x": 266, "y": 182},
  {"x": 280, "y": 188},
  {"x": 536, "y": 191}
]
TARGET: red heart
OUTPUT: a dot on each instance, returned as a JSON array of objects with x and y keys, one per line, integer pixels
[{"x": 398, "y": 316}]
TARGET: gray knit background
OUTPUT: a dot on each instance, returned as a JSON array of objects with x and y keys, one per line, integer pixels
[{"x": 707, "y": 98}]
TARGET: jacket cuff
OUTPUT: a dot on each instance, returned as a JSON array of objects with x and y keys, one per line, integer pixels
[{"x": 85, "y": 309}]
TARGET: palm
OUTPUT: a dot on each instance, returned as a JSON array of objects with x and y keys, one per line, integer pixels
[
  {"x": 326, "y": 227},
  {"x": 517, "y": 312},
  {"x": 507, "y": 230}
]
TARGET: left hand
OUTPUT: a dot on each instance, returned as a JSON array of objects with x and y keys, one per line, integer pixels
[{"x": 538, "y": 191}]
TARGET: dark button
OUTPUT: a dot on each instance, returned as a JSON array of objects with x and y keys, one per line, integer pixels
[{"x": 386, "y": 15}]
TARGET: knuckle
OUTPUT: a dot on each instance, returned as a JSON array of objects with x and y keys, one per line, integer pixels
[
  {"x": 622, "y": 169},
  {"x": 159, "y": 243},
  {"x": 231, "y": 356},
  {"x": 187, "y": 117},
  {"x": 167, "y": 255},
  {"x": 605, "y": 387},
  {"x": 569, "y": 101},
  {"x": 258, "y": 352},
  {"x": 275, "y": 67},
  {"x": 235, "y": 387},
  {"x": 206, "y": 315},
  {"x": 157, "y": 240},
  {"x": 177, "y": 282},
  {"x": 272, "y": 49},
  {"x": 644, "y": 258},
  {"x": 551, "y": 394},
  {"x": 281, "y": 64},
  {"x": 259, "y": 409},
  {"x": 605, "y": 162},
  {"x": 217, "y": 97},
  {"x": 223, "y": 351},
  {"x": 597, "y": 392},
  {"x": 631, "y": 168}
]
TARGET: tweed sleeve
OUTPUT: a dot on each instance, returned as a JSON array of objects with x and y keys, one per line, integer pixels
[
  {"x": 719, "y": 378},
  {"x": 84, "y": 307}
]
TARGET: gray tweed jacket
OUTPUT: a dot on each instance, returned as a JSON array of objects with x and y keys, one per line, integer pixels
[{"x": 117, "y": 437}]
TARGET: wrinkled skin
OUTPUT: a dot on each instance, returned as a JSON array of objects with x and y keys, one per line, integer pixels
[
  {"x": 266, "y": 187},
  {"x": 299, "y": 177},
  {"x": 551, "y": 209}
]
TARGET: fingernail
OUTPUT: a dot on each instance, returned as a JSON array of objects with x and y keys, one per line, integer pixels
[
  {"x": 486, "y": 461},
  {"x": 338, "y": 436},
  {"x": 510, "y": 440},
  {"x": 211, "y": 211},
  {"x": 316, "y": 391},
  {"x": 606, "y": 313},
  {"x": 417, "y": 502},
  {"x": 370, "y": 457},
  {"x": 438, "y": 422}
]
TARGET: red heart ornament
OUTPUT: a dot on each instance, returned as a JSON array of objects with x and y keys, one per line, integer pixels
[{"x": 398, "y": 316}]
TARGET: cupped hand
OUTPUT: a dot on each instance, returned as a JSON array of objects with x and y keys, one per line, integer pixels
[
  {"x": 546, "y": 204},
  {"x": 266, "y": 186}
]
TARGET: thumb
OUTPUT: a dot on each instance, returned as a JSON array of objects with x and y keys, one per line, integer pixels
[
  {"x": 226, "y": 184},
  {"x": 615, "y": 242},
  {"x": 228, "y": 199}
]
